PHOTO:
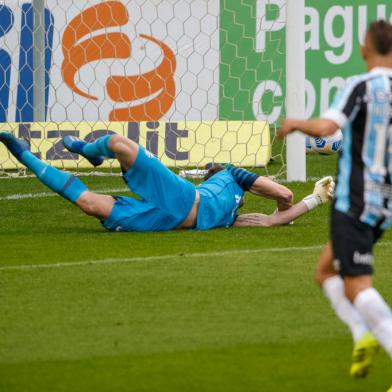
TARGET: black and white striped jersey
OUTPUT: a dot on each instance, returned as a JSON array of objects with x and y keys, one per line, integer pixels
[{"x": 363, "y": 109}]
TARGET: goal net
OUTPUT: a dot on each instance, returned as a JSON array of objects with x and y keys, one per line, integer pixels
[{"x": 194, "y": 81}]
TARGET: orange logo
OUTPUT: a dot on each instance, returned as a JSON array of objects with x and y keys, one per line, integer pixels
[{"x": 159, "y": 81}]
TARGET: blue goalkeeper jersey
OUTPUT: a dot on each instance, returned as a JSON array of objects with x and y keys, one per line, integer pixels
[{"x": 220, "y": 198}]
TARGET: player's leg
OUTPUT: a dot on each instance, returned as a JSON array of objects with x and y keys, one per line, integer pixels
[
  {"x": 332, "y": 284},
  {"x": 98, "y": 206},
  {"x": 63, "y": 183},
  {"x": 333, "y": 288},
  {"x": 109, "y": 146},
  {"x": 372, "y": 307},
  {"x": 125, "y": 150},
  {"x": 324, "y": 268},
  {"x": 352, "y": 243},
  {"x": 377, "y": 315},
  {"x": 144, "y": 174},
  {"x": 94, "y": 152},
  {"x": 359, "y": 289}
]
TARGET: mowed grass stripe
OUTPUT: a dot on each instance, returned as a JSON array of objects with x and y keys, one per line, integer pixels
[
  {"x": 167, "y": 257},
  {"x": 40, "y": 195}
]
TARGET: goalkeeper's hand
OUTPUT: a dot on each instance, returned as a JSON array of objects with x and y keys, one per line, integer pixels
[{"x": 324, "y": 189}]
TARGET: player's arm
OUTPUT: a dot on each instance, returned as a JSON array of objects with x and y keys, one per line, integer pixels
[
  {"x": 279, "y": 218},
  {"x": 263, "y": 186},
  {"x": 345, "y": 106},
  {"x": 318, "y": 127},
  {"x": 252, "y": 220},
  {"x": 322, "y": 193}
]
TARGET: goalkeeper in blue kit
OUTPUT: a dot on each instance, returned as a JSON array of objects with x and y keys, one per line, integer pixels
[{"x": 167, "y": 201}]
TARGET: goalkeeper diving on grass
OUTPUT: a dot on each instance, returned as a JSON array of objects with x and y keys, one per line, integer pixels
[{"x": 167, "y": 201}]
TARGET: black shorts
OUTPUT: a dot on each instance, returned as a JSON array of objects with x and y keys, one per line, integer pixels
[{"x": 352, "y": 243}]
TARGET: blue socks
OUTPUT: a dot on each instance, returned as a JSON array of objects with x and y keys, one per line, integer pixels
[
  {"x": 95, "y": 152},
  {"x": 63, "y": 183},
  {"x": 99, "y": 148}
]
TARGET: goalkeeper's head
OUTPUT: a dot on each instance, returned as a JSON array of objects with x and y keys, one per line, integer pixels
[
  {"x": 213, "y": 168},
  {"x": 377, "y": 50}
]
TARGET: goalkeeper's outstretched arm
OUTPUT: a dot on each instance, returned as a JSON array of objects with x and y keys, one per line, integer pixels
[
  {"x": 262, "y": 186},
  {"x": 322, "y": 193},
  {"x": 278, "y": 218},
  {"x": 265, "y": 187}
]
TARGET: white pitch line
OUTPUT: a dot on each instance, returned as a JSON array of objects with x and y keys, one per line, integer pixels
[
  {"x": 39, "y": 195},
  {"x": 154, "y": 258},
  {"x": 21, "y": 196},
  {"x": 166, "y": 257}
]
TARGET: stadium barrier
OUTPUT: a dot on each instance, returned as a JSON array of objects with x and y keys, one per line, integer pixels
[{"x": 184, "y": 144}]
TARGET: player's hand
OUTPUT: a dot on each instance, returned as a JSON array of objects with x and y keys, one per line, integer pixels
[
  {"x": 331, "y": 189},
  {"x": 324, "y": 189},
  {"x": 287, "y": 127}
]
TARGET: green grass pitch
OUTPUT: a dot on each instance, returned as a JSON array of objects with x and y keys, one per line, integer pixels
[{"x": 82, "y": 309}]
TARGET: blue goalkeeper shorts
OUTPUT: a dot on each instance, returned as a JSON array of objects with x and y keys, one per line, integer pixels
[{"x": 166, "y": 198}]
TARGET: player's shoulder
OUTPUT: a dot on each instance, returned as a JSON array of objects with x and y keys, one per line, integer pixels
[
  {"x": 219, "y": 176},
  {"x": 226, "y": 173},
  {"x": 356, "y": 81}
]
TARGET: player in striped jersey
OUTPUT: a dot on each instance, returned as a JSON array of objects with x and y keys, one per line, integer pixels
[{"x": 362, "y": 209}]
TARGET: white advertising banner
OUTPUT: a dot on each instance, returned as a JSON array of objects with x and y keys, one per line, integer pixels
[{"x": 139, "y": 60}]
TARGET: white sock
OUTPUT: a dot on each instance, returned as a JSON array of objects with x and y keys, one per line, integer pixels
[
  {"x": 377, "y": 315},
  {"x": 334, "y": 290}
]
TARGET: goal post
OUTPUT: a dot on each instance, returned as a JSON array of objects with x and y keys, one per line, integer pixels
[{"x": 295, "y": 87}]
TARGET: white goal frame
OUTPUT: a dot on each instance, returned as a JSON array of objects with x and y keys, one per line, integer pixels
[{"x": 295, "y": 87}]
